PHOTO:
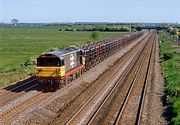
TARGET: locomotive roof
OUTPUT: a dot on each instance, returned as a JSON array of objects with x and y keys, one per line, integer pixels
[
  {"x": 62, "y": 52},
  {"x": 65, "y": 51}
]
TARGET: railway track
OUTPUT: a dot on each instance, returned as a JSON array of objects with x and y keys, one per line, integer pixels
[
  {"x": 16, "y": 92},
  {"x": 17, "y": 87},
  {"x": 102, "y": 95},
  {"x": 109, "y": 114},
  {"x": 12, "y": 96},
  {"x": 144, "y": 90},
  {"x": 123, "y": 116},
  {"x": 11, "y": 113}
]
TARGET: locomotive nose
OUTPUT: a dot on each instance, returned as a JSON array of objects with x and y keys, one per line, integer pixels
[
  {"x": 58, "y": 72},
  {"x": 39, "y": 70}
]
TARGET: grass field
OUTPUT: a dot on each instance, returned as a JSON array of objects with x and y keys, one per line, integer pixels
[
  {"x": 170, "y": 61},
  {"x": 18, "y": 44}
]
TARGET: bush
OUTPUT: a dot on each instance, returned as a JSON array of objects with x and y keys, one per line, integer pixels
[
  {"x": 30, "y": 61},
  {"x": 94, "y": 35},
  {"x": 167, "y": 56},
  {"x": 53, "y": 49},
  {"x": 176, "y": 110}
]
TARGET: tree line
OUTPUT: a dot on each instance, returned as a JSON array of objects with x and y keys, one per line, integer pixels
[{"x": 98, "y": 27}]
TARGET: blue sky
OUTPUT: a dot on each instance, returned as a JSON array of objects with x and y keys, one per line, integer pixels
[{"x": 90, "y": 10}]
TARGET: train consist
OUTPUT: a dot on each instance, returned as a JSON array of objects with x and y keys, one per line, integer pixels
[{"x": 62, "y": 66}]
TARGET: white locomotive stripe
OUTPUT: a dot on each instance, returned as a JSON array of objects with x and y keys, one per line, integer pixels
[{"x": 72, "y": 61}]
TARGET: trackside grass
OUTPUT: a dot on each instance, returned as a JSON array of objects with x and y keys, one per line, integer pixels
[
  {"x": 19, "y": 47},
  {"x": 170, "y": 61}
]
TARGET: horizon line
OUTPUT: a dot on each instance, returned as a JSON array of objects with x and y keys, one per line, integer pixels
[{"x": 90, "y": 22}]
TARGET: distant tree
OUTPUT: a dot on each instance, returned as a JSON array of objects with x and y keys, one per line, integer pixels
[
  {"x": 138, "y": 28},
  {"x": 94, "y": 35},
  {"x": 14, "y": 21}
]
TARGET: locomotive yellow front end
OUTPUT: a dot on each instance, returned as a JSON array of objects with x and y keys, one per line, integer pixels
[
  {"x": 50, "y": 69},
  {"x": 51, "y": 72},
  {"x": 61, "y": 66}
]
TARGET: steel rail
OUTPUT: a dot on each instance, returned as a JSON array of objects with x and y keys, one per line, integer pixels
[
  {"x": 121, "y": 110},
  {"x": 142, "y": 100},
  {"x": 109, "y": 78}
]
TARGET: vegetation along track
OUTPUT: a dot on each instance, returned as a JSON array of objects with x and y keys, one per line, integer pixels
[{"x": 102, "y": 88}]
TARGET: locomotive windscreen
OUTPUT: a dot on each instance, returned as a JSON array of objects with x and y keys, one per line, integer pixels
[{"x": 48, "y": 62}]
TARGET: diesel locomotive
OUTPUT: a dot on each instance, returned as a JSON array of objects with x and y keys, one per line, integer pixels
[{"x": 62, "y": 66}]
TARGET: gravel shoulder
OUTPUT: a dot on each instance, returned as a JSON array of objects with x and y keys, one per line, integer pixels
[{"x": 153, "y": 109}]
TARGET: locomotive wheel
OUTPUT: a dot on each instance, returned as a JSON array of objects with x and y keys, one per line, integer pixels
[
  {"x": 77, "y": 74},
  {"x": 49, "y": 85},
  {"x": 43, "y": 83},
  {"x": 68, "y": 79},
  {"x": 55, "y": 84},
  {"x": 73, "y": 76},
  {"x": 40, "y": 82}
]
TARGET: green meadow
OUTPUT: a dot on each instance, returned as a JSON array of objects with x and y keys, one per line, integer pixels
[{"x": 21, "y": 45}]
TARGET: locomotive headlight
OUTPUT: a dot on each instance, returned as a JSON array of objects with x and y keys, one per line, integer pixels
[
  {"x": 39, "y": 70},
  {"x": 58, "y": 72}
]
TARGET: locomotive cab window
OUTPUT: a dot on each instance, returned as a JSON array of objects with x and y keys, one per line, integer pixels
[
  {"x": 49, "y": 62},
  {"x": 62, "y": 62}
]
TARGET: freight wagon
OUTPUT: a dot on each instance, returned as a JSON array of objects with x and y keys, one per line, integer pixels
[{"x": 62, "y": 66}]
